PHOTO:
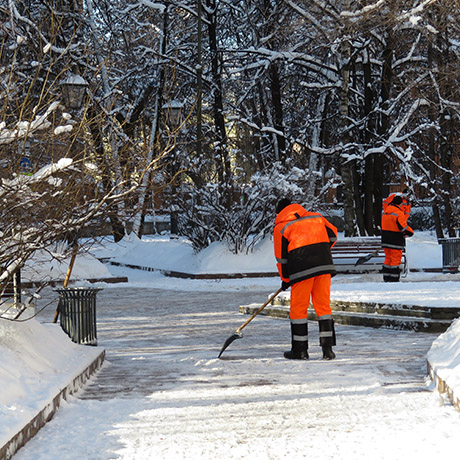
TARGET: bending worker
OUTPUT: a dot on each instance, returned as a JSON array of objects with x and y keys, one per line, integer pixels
[
  {"x": 405, "y": 204},
  {"x": 395, "y": 230},
  {"x": 303, "y": 242}
]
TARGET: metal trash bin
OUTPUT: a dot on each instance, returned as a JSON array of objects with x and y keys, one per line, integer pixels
[
  {"x": 450, "y": 254},
  {"x": 77, "y": 309}
]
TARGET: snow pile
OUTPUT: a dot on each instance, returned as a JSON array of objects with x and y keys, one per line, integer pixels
[
  {"x": 38, "y": 361},
  {"x": 216, "y": 258},
  {"x": 423, "y": 251},
  {"x": 444, "y": 357},
  {"x": 161, "y": 252},
  {"x": 53, "y": 265}
]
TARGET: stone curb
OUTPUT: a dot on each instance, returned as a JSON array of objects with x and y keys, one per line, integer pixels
[
  {"x": 54, "y": 283},
  {"x": 212, "y": 276},
  {"x": 46, "y": 414},
  {"x": 442, "y": 386}
]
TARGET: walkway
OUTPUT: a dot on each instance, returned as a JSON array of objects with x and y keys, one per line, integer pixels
[{"x": 149, "y": 342}]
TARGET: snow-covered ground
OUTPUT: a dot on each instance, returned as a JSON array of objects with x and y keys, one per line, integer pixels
[{"x": 350, "y": 408}]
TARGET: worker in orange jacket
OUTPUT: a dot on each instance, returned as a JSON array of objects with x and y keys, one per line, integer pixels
[
  {"x": 395, "y": 230},
  {"x": 302, "y": 244}
]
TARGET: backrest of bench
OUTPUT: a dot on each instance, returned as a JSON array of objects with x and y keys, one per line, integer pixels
[{"x": 357, "y": 245}]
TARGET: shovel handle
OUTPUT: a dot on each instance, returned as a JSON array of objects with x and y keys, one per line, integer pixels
[
  {"x": 258, "y": 311},
  {"x": 67, "y": 277}
]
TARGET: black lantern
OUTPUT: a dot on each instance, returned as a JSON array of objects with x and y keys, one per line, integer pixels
[
  {"x": 74, "y": 89},
  {"x": 173, "y": 113}
]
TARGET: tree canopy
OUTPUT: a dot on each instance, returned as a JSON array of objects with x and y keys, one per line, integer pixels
[{"x": 333, "y": 102}]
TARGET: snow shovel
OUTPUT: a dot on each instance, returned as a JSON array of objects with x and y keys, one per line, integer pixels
[
  {"x": 364, "y": 259},
  {"x": 238, "y": 334}
]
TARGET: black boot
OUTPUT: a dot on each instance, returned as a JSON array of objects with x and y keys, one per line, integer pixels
[
  {"x": 391, "y": 274},
  {"x": 299, "y": 340},
  {"x": 327, "y": 336},
  {"x": 328, "y": 353},
  {"x": 292, "y": 354}
]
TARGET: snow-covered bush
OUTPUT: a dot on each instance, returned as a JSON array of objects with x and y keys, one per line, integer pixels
[
  {"x": 206, "y": 215},
  {"x": 421, "y": 218}
]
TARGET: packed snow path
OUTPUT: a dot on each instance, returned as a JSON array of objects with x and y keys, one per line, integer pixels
[{"x": 164, "y": 395}]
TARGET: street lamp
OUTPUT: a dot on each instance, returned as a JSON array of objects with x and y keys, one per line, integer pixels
[
  {"x": 173, "y": 115},
  {"x": 74, "y": 90}
]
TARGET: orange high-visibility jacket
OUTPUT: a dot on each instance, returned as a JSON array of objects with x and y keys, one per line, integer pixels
[
  {"x": 302, "y": 243},
  {"x": 405, "y": 205},
  {"x": 395, "y": 228}
]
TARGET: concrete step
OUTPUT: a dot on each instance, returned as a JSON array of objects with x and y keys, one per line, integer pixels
[
  {"x": 394, "y": 316},
  {"x": 393, "y": 309}
]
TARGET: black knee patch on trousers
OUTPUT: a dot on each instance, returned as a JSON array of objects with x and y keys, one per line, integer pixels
[{"x": 326, "y": 332}]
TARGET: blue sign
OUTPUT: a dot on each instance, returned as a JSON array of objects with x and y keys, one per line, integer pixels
[{"x": 25, "y": 166}]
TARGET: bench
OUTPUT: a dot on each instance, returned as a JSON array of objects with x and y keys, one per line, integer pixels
[
  {"x": 12, "y": 290},
  {"x": 347, "y": 253}
]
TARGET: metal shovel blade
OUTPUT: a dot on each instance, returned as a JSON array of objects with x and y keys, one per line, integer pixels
[
  {"x": 364, "y": 259},
  {"x": 238, "y": 334},
  {"x": 229, "y": 341}
]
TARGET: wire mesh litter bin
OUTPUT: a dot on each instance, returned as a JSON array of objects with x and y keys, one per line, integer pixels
[
  {"x": 77, "y": 309},
  {"x": 450, "y": 254}
]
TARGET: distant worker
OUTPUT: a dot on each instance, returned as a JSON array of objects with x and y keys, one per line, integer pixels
[
  {"x": 302, "y": 243},
  {"x": 395, "y": 230},
  {"x": 405, "y": 204}
]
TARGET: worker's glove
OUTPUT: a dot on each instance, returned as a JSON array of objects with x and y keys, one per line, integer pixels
[
  {"x": 284, "y": 285},
  {"x": 408, "y": 233}
]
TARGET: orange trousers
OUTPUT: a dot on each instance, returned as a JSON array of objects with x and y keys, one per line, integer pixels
[
  {"x": 318, "y": 289},
  {"x": 393, "y": 257}
]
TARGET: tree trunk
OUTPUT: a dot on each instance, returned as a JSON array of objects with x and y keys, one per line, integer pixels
[
  {"x": 383, "y": 126},
  {"x": 224, "y": 168},
  {"x": 275, "y": 89},
  {"x": 199, "y": 81},
  {"x": 118, "y": 229},
  {"x": 446, "y": 163},
  {"x": 358, "y": 200},
  {"x": 316, "y": 142},
  {"x": 145, "y": 189},
  {"x": 446, "y": 122},
  {"x": 347, "y": 172},
  {"x": 369, "y": 161},
  {"x": 432, "y": 115},
  {"x": 437, "y": 221}
]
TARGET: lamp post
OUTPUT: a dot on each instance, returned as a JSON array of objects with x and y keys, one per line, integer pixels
[
  {"x": 73, "y": 90},
  {"x": 172, "y": 111}
]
